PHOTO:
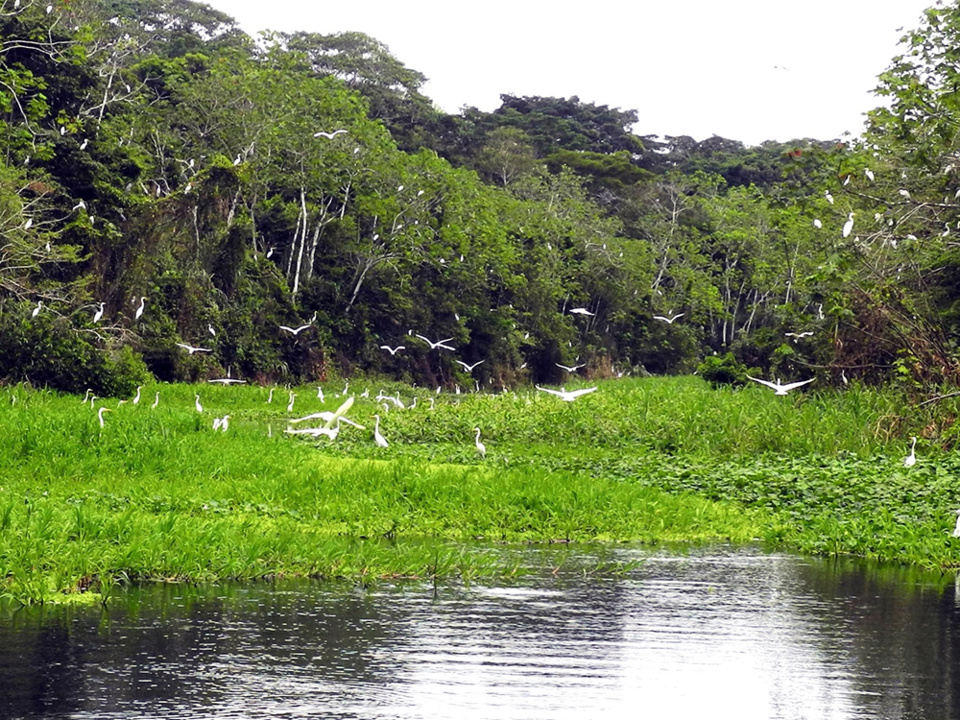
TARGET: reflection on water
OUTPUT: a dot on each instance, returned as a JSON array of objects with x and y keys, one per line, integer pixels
[{"x": 714, "y": 633}]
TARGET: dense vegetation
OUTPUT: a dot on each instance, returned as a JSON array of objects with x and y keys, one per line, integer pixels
[
  {"x": 154, "y": 156},
  {"x": 158, "y": 493}
]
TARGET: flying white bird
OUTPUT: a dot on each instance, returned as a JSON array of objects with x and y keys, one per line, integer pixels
[
  {"x": 571, "y": 369},
  {"x": 377, "y": 437},
  {"x": 438, "y": 344},
  {"x": 581, "y": 311},
  {"x": 329, "y": 135},
  {"x": 469, "y": 368},
  {"x": 392, "y": 351},
  {"x": 191, "y": 349},
  {"x": 798, "y": 336},
  {"x": 848, "y": 225},
  {"x": 911, "y": 459},
  {"x": 781, "y": 389},
  {"x": 139, "y": 312},
  {"x": 295, "y": 331},
  {"x": 228, "y": 381},
  {"x": 481, "y": 448},
  {"x": 669, "y": 320},
  {"x": 99, "y": 313},
  {"x": 564, "y": 395}
]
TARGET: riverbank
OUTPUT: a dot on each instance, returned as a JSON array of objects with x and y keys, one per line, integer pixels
[{"x": 157, "y": 494}]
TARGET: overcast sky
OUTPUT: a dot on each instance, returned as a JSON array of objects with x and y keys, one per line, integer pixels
[{"x": 748, "y": 70}]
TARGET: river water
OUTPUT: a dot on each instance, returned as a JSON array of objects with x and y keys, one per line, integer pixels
[{"x": 708, "y": 633}]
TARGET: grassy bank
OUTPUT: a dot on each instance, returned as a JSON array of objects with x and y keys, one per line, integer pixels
[{"x": 158, "y": 494}]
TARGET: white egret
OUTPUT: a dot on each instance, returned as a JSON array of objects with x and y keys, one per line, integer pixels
[
  {"x": 36, "y": 310},
  {"x": 378, "y": 438},
  {"x": 86, "y": 397},
  {"x": 136, "y": 398},
  {"x": 156, "y": 401},
  {"x": 956, "y": 530},
  {"x": 320, "y": 394},
  {"x": 329, "y": 135},
  {"x": 197, "y": 404},
  {"x": 798, "y": 336},
  {"x": 481, "y": 448},
  {"x": 340, "y": 412},
  {"x": 191, "y": 349},
  {"x": 817, "y": 224},
  {"x": 565, "y": 395},
  {"x": 581, "y": 311},
  {"x": 140, "y": 309},
  {"x": 570, "y": 369},
  {"x": 293, "y": 396},
  {"x": 848, "y": 225},
  {"x": 81, "y": 205},
  {"x": 781, "y": 389},
  {"x": 911, "y": 459},
  {"x": 316, "y": 432},
  {"x": 904, "y": 193},
  {"x": 393, "y": 351},
  {"x": 829, "y": 197},
  {"x": 210, "y": 330},
  {"x": 469, "y": 368},
  {"x": 99, "y": 313},
  {"x": 295, "y": 331},
  {"x": 869, "y": 173},
  {"x": 223, "y": 423},
  {"x": 438, "y": 344},
  {"x": 100, "y": 413},
  {"x": 270, "y": 396},
  {"x": 669, "y": 320}
]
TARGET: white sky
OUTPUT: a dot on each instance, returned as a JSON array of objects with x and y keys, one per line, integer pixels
[{"x": 688, "y": 67}]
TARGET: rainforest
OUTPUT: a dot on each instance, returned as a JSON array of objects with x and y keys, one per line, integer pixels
[{"x": 182, "y": 203}]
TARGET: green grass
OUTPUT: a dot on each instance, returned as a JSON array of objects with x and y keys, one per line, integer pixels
[{"x": 158, "y": 495}]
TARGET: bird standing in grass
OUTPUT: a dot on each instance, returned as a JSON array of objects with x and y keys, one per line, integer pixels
[
  {"x": 481, "y": 448},
  {"x": 956, "y": 530},
  {"x": 100, "y": 413},
  {"x": 911, "y": 459},
  {"x": 377, "y": 437},
  {"x": 197, "y": 404}
]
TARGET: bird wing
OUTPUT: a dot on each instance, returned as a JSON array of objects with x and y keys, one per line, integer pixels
[
  {"x": 301, "y": 328},
  {"x": 791, "y": 386},
  {"x": 578, "y": 393},
  {"x": 661, "y": 317},
  {"x": 772, "y": 386},
  {"x": 429, "y": 342},
  {"x": 552, "y": 392},
  {"x": 288, "y": 329}
]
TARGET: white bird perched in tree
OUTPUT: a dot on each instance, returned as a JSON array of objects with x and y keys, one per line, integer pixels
[
  {"x": 329, "y": 135},
  {"x": 669, "y": 320},
  {"x": 156, "y": 401},
  {"x": 781, "y": 389},
  {"x": 293, "y": 396},
  {"x": 848, "y": 225},
  {"x": 467, "y": 367},
  {"x": 191, "y": 349},
  {"x": 295, "y": 331},
  {"x": 438, "y": 344},
  {"x": 565, "y": 395},
  {"x": 81, "y": 205},
  {"x": 143, "y": 302},
  {"x": 911, "y": 459},
  {"x": 817, "y": 224},
  {"x": 581, "y": 311},
  {"x": 570, "y": 369},
  {"x": 136, "y": 398},
  {"x": 196, "y": 404},
  {"x": 36, "y": 310},
  {"x": 869, "y": 173},
  {"x": 99, "y": 313},
  {"x": 481, "y": 448},
  {"x": 210, "y": 330},
  {"x": 829, "y": 197},
  {"x": 393, "y": 351},
  {"x": 377, "y": 437},
  {"x": 100, "y": 413}
]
